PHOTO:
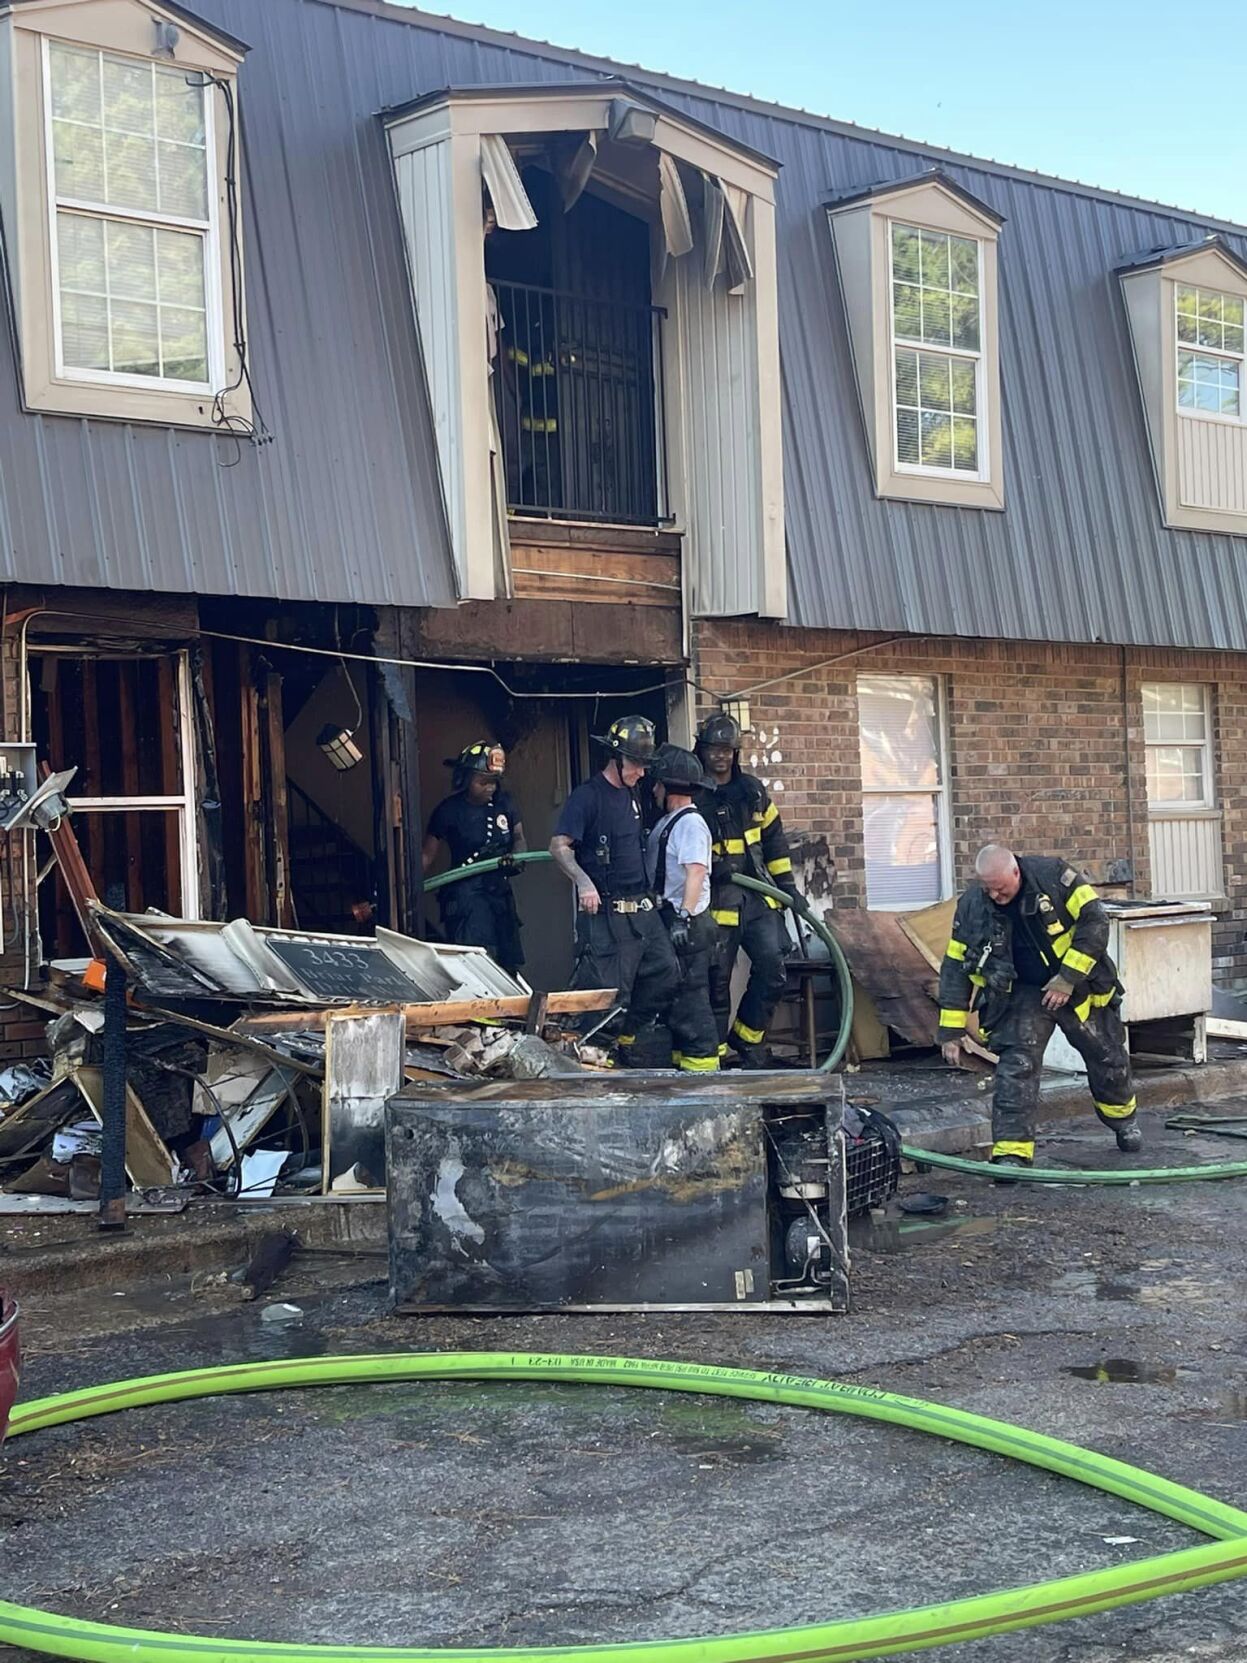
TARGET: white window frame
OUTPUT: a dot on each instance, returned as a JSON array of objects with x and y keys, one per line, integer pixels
[
  {"x": 209, "y": 229},
  {"x": 920, "y": 469},
  {"x": 1237, "y": 358},
  {"x": 943, "y": 815},
  {"x": 1208, "y": 804},
  {"x": 183, "y": 804}
]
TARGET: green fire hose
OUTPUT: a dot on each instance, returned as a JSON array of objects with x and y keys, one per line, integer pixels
[
  {"x": 837, "y": 965},
  {"x": 946, "y": 1623},
  {"x": 1074, "y": 1175}
]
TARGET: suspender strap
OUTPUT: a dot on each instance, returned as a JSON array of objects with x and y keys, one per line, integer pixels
[{"x": 660, "y": 864}]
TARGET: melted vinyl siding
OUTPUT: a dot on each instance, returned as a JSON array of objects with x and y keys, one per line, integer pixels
[
  {"x": 425, "y": 194},
  {"x": 717, "y": 390}
]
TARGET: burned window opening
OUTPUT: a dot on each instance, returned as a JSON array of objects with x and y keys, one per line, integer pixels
[{"x": 124, "y": 722}]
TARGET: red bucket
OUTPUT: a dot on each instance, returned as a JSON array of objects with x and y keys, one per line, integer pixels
[{"x": 10, "y": 1359}]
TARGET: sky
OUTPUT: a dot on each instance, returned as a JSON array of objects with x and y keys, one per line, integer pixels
[{"x": 1139, "y": 96}]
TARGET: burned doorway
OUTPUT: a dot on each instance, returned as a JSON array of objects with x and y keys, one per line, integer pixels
[
  {"x": 546, "y": 731},
  {"x": 576, "y": 382},
  {"x": 125, "y": 723}
]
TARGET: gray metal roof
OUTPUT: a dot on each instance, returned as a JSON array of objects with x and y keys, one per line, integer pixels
[
  {"x": 345, "y": 503},
  {"x": 1080, "y": 553}
]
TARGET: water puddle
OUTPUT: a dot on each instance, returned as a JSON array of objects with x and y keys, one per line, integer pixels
[
  {"x": 1136, "y": 1285},
  {"x": 1125, "y": 1371},
  {"x": 897, "y": 1235}
]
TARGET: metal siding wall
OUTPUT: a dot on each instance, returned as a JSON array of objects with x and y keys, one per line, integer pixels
[
  {"x": 1212, "y": 465},
  {"x": 346, "y": 504},
  {"x": 425, "y": 199},
  {"x": 1080, "y": 553},
  {"x": 718, "y": 386},
  {"x": 1186, "y": 857}
]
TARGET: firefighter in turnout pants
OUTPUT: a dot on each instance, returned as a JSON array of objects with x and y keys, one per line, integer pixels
[
  {"x": 678, "y": 857},
  {"x": 478, "y": 822},
  {"x": 1028, "y": 948},
  {"x": 749, "y": 839},
  {"x": 599, "y": 843}
]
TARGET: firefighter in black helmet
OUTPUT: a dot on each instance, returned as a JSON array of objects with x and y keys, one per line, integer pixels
[
  {"x": 749, "y": 839},
  {"x": 599, "y": 843},
  {"x": 678, "y": 857},
  {"x": 479, "y": 821}
]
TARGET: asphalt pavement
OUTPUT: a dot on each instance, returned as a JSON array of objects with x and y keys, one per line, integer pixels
[{"x": 465, "y": 1514}]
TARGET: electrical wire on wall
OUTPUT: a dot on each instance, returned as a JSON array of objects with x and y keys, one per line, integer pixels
[
  {"x": 238, "y": 427},
  {"x": 614, "y": 694}
]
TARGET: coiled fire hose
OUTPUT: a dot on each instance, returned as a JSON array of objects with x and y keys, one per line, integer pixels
[
  {"x": 946, "y": 1623},
  {"x": 838, "y": 966}
]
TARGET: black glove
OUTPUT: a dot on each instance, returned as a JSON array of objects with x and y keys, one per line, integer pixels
[
  {"x": 508, "y": 865},
  {"x": 680, "y": 930}
]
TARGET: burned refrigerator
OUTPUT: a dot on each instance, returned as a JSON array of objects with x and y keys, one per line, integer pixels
[{"x": 629, "y": 1191}]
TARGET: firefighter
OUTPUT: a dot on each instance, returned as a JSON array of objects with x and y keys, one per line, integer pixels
[
  {"x": 678, "y": 860},
  {"x": 749, "y": 839},
  {"x": 599, "y": 843},
  {"x": 1028, "y": 946},
  {"x": 479, "y": 821}
]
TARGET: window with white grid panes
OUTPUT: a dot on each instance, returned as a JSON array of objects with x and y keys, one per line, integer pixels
[
  {"x": 1176, "y": 731},
  {"x": 904, "y": 800},
  {"x": 1210, "y": 351},
  {"x": 131, "y": 175},
  {"x": 936, "y": 288}
]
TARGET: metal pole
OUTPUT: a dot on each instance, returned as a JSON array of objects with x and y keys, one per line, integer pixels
[{"x": 112, "y": 1214}]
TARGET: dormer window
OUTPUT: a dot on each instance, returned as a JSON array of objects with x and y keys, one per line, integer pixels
[
  {"x": 119, "y": 191},
  {"x": 1210, "y": 351},
  {"x": 916, "y": 261},
  {"x": 1186, "y": 307}
]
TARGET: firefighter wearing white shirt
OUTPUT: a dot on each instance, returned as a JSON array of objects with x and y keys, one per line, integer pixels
[{"x": 678, "y": 858}]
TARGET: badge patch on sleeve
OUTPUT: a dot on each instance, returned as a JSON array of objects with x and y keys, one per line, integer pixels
[{"x": 1069, "y": 876}]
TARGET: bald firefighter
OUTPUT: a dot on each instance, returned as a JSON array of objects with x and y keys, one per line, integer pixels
[
  {"x": 748, "y": 839},
  {"x": 1029, "y": 951}
]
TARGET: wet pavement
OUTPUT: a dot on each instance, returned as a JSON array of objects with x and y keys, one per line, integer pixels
[{"x": 455, "y": 1514}]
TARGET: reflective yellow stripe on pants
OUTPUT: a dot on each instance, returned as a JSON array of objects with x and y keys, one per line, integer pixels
[
  {"x": 1024, "y": 1151},
  {"x": 751, "y": 1036},
  {"x": 1117, "y": 1111}
]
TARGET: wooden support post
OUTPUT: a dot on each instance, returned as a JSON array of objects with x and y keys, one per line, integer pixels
[{"x": 112, "y": 1215}]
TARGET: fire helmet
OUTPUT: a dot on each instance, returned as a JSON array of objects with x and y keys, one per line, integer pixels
[
  {"x": 677, "y": 769},
  {"x": 631, "y": 738},
  {"x": 481, "y": 758},
  {"x": 720, "y": 729}
]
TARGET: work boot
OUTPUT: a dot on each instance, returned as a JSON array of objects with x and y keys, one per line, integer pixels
[
  {"x": 755, "y": 1057},
  {"x": 1129, "y": 1137},
  {"x": 1008, "y": 1160}
]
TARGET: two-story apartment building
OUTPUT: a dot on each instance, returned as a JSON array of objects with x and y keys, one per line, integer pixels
[{"x": 374, "y": 382}]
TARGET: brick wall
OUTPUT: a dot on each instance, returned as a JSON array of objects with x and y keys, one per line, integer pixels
[{"x": 1041, "y": 739}]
